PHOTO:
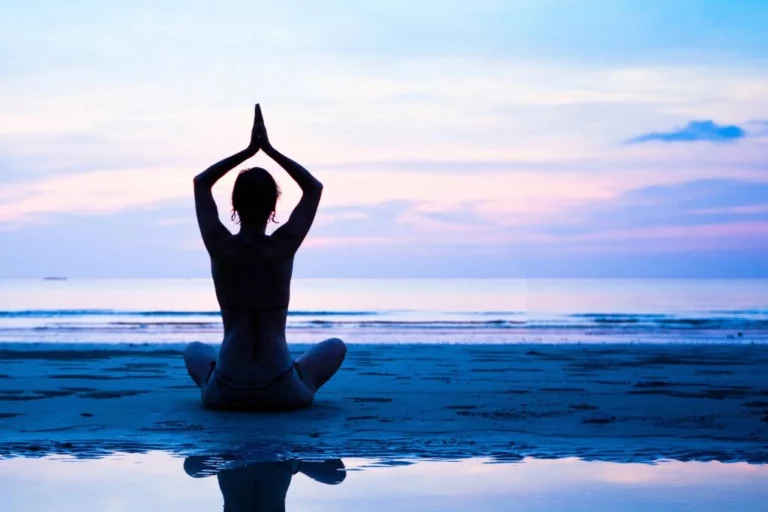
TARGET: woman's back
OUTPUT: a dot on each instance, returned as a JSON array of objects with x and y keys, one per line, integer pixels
[
  {"x": 252, "y": 279},
  {"x": 252, "y": 273}
]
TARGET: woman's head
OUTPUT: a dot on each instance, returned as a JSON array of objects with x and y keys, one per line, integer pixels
[{"x": 254, "y": 197}]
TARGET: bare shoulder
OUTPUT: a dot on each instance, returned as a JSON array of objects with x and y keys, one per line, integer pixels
[{"x": 293, "y": 232}]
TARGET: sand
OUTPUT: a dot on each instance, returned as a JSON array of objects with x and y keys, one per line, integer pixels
[{"x": 608, "y": 402}]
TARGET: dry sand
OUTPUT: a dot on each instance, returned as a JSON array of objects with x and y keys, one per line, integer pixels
[{"x": 609, "y": 402}]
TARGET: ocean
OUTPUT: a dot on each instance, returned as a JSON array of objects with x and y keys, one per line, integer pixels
[{"x": 172, "y": 311}]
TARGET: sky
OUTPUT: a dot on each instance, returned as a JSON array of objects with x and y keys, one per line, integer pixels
[{"x": 513, "y": 138}]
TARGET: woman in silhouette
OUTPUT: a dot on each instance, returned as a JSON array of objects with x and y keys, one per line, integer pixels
[{"x": 252, "y": 276}]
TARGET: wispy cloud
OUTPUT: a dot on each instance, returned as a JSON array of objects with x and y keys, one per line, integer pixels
[
  {"x": 92, "y": 193},
  {"x": 502, "y": 135},
  {"x": 99, "y": 192},
  {"x": 693, "y": 132},
  {"x": 717, "y": 214}
]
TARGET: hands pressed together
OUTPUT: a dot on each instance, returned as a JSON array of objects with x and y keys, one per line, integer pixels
[{"x": 259, "y": 139}]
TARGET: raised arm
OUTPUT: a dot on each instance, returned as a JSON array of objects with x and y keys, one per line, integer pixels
[
  {"x": 297, "y": 227},
  {"x": 214, "y": 173},
  {"x": 212, "y": 230}
]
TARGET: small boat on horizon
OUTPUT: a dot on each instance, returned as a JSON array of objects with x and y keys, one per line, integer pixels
[{"x": 55, "y": 278}]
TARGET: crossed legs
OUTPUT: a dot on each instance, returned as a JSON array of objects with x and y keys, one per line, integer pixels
[
  {"x": 200, "y": 360},
  {"x": 321, "y": 362}
]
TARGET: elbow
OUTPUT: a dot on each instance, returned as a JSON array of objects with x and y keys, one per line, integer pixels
[
  {"x": 314, "y": 187},
  {"x": 198, "y": 181}
]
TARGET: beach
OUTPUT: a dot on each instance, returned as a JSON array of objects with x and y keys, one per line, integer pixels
[{"x": 612, "y": 402}]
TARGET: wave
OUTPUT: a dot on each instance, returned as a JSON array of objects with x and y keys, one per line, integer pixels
[
  {"x": 118, "y": 320},
  {"x": 510, "y": 325},
  {"x": 753, "y": 319},
  {"x": 55, "y": 313}
]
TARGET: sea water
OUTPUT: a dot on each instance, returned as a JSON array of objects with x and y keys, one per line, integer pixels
[
  {"x": 151, "y": 311},
  {"x": 160, "y": 481}
]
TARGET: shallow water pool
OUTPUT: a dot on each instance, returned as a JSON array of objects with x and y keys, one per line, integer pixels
[{"x": 162, "y": 481}]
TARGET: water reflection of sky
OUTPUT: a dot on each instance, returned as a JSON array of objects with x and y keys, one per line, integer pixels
[{"x": 158, "y": 481}]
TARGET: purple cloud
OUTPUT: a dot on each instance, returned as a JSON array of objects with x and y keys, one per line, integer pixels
[{"x": 694, "y": 131}]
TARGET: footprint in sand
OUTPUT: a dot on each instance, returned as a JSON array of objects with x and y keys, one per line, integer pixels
[
  {"x": 110, "y": 394},
  {"x": 583, "y": 407},
  {"x": 371, "y": 399},
  {"x": 599, "y": 419},
  {"x": 18, "y": 396}
]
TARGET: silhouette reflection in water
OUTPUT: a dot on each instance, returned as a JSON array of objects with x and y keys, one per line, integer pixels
[{"x": 260, "y": 485}]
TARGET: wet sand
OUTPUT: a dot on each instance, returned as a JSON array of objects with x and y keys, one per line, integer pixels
[{"x": 608, "y": 402}]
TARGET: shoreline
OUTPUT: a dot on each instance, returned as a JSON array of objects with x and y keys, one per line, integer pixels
[{"x": 613, "y": 402}]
